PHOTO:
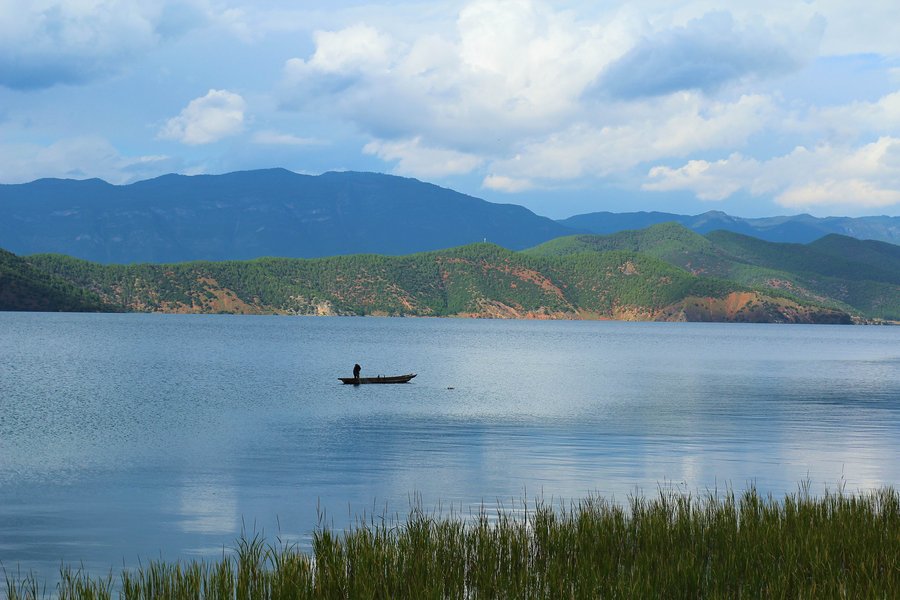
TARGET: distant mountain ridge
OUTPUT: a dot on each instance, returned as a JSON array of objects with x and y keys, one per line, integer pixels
[
  {"x": 798, "y": 229},
  {"x": 275, "y": 212},
  {"x": 249, "y": 214}
]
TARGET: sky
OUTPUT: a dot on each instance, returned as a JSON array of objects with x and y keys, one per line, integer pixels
[{"x": 753, "y": 108}]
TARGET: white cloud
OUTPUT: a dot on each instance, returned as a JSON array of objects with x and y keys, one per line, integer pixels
[
  {"x": 849, "y": 178},
  {"x": 275, "y": 138},
  {"x": 511, "y": 69},
  {"x": 358, "y": 51},
  {"x": 48, "y": 42},
  {"x": 358, "y": 47},
  {"x": 79, "y": 158},
  {"x": 672, "y": 127},
  {"x": 708, "y": 180},
  {"x": 502, "y": 183},
  {"x": 544, "y": 94},
  {"x": 860, "y": 118},
  {"x": 517, "y": 89},
  {"x": 417, "y": 160},
  {"x": 207, "y": 119},
  {"x": 855, "y": 193}
]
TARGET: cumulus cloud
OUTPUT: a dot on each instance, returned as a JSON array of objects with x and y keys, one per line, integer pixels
[
  {"x": 417, "y": 160},
  {"x": 514, "y": 89},
  {"x": 356, "y": 48},
  {"x": 511, "y": 69},
  {"x": 673, "y": 127},
  {"x": 859, "y": 118},
  {"x": 501, "y": 183},
  {"x": 851, "y": 178},
  {"x": 49, "y": 42},
  {"x": 79, "y": 158},
  {"x": 847, "y": 169},
  {"x": 275, "y": 138},
  {"x": 708, "y": 180},
  {"x": 207, "y": 119},
  {"x": 707, "y": 53}
]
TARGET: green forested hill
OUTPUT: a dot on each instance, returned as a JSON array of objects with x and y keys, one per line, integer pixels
[
  {"x": 885, "y": 255},
  {"x": 861, "y": 277},
  {"x": 670, "y": 242},
  {"x": 838, "y": 256},
  {"x": 664, "y": 272},
  {"x": 23, "y": 287},
  {"x": 478, "y": 280}
]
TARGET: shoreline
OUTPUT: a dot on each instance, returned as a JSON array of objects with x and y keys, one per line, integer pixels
[{"x": 581, "y": 316}]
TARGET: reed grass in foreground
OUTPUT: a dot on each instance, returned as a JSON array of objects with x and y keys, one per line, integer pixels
[{"x": 674, "y": 546}]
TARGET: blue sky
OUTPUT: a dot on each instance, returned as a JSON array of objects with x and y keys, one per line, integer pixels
[{"x": 756, "y": 109}]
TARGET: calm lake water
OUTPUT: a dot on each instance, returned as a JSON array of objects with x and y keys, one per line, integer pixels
[{"x": 127, "y": 437}]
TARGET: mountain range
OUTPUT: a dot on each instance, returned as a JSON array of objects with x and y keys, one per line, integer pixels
[
  {"x": 244, "y": 215},
  {"x": 275, "y": 212},
  {"x": 370, "y": 244},
  {"x": 795, "y": 229}
]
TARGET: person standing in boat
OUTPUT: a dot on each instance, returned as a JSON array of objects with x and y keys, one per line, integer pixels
[{"x": 356, "y": 370}]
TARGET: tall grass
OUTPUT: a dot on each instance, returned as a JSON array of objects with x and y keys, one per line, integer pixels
[{"x": 673, "y": 545}]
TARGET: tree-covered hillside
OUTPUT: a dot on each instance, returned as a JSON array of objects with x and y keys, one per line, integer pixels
[
  {"x": 23, "y": 287},
  {"x": 861, "y": 277},
  {"x": 478, "y": 280},
  {"x": 663, "y": 272}
]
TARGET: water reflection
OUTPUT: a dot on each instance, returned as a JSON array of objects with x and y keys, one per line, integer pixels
[{"x": 208, "y": 505}]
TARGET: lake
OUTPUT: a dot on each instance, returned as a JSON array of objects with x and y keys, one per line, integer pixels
[{"x": 134, "y": 437}]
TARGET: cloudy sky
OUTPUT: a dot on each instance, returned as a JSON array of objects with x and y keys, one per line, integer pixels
[{"x": 754, "y": 108}]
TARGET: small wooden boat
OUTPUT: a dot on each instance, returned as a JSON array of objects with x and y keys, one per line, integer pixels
[{"x": 379, "y": 379}]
